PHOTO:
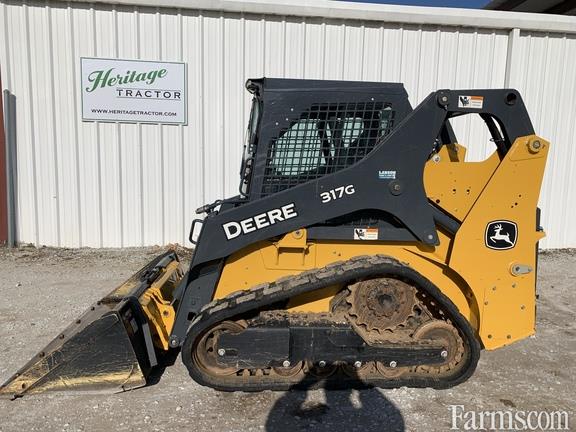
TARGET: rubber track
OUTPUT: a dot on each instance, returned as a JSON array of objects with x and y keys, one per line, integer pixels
[{"x": 353, "y": 270}]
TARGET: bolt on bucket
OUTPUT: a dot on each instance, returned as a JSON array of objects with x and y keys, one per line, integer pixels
[{"x": 115, "y": 344}]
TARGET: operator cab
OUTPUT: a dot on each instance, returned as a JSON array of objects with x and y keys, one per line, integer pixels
[{"x": 300, "y": 130}]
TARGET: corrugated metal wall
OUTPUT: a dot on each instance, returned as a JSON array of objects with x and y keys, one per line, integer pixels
[
  {"x": 543, "y": 67},
  {"x": 108, "y": 185}
]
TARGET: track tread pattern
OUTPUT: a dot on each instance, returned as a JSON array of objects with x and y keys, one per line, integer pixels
[{"x": 353, "y": 270}]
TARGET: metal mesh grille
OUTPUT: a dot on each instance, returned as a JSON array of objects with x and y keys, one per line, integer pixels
[{"x": 324, "y": 139}]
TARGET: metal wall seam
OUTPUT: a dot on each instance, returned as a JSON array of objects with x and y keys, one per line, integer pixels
[
  {"x": 30, "y": 175},
  {"x": 4, "y": 194}
]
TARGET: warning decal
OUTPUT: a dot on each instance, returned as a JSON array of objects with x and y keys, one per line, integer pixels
[
  {"x": 365, "y": 233},
  {"x": 476, "y": 102}
]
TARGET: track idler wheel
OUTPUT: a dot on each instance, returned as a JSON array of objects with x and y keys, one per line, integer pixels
[
  {"x": 390, "y": 372},
  {"x": 289, "y": 371},
  {"x": 206, "y": 355},
  {"x": 321, "y": 369},
  {"x": 454, "y": 347}
]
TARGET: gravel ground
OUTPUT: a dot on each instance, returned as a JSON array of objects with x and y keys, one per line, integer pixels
[{"x": 43, "y": 290}]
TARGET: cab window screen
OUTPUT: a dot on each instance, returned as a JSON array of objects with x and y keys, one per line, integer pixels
[
  {"x": 299, "y": 149},
  {"x": 324, "y": 139}
]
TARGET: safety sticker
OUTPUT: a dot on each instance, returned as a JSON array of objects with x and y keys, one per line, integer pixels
[
  {"x": 476, "y": 102},
  {"x": 365, "y": 233}
]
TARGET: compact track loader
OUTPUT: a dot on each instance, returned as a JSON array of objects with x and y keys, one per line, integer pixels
[{"x": 361, "y": 250}]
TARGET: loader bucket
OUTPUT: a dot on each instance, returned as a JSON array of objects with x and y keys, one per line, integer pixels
[{"x": 115, "y": 344}]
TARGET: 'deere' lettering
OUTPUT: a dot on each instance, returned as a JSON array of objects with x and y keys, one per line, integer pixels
[{"x": 234, "y": 229}]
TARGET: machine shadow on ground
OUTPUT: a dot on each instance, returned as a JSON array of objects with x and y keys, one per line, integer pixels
[{"x": 341, "y": 412}]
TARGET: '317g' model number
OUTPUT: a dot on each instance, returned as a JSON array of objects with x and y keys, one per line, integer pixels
[{"x": 337, "y": 193}]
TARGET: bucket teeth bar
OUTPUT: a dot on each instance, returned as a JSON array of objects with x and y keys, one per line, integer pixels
[{"x": 113, "y": 346}]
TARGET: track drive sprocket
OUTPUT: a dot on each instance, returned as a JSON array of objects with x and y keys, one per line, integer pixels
[{"x": 381, "y": 304}]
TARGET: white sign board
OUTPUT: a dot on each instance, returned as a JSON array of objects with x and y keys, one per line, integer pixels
[{"x": 133, "y": 91}]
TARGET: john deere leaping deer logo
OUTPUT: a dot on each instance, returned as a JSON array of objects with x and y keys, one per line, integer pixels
[{"x": 501, "y": 235}]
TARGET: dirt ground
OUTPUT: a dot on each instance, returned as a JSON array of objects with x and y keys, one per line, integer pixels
[{"x": 43, "y": 290}]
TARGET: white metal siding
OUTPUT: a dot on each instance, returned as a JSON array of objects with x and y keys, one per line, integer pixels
[
  {"x": 106, "y": 184},
  {"x": 544, "y": 69}
]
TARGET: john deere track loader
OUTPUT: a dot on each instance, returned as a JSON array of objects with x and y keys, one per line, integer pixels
[{"x": 361, "y": 250}]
